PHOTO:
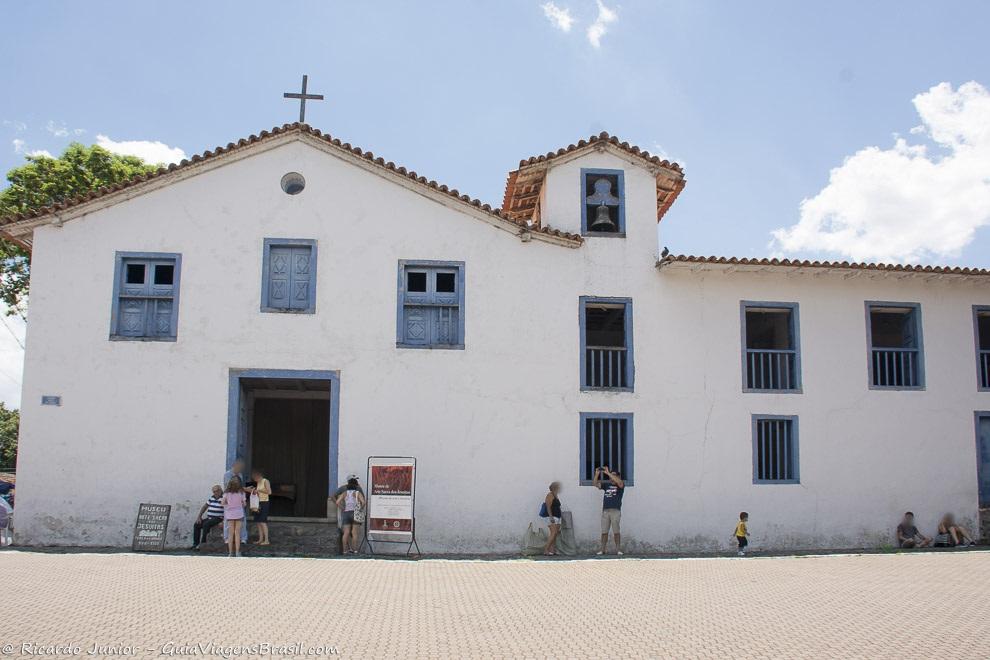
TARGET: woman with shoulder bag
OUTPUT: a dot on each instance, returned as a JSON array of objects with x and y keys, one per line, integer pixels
[
  {"x": 551, "y": 504},
  {"x": 351, "y": 504}
]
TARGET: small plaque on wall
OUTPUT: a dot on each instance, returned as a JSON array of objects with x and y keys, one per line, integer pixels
[{"x": 51, "y": 400}]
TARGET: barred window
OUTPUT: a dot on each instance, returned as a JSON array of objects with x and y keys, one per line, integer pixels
[
  {"x": 606, "y": 440},
  {"x": 775, "y": 450}
]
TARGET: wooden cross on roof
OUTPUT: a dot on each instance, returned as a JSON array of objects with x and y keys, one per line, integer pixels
[{"x": 303, "y": 97}]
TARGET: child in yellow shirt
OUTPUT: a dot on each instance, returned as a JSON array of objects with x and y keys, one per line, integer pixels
[{"x": 742, "y": 533}]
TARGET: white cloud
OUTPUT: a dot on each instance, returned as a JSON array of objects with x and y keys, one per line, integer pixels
[
  {"x": 905, "y": 203},
  {"x": 149, "y": 151},
  {"x": 16, "y": 125},
  {"x": 18, "y": 145},
  {"x": 40, "y": 152},
  {"x": 58, "y": 130},
  {"x": 663, "y": 154},
  {"x": 598, "y": 29},
  {"x": 560, "y": 17}
]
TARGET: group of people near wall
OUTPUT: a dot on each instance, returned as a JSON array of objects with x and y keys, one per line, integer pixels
[
  {"x": 231, "y": 504},
  {"x": 950, "y": 534},
  {"x": 613, "y": 488}
]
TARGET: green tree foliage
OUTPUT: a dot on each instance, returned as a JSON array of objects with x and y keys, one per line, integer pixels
[
  {"x": 44, "y": 181},
  {"x": 10, "y": 420}
]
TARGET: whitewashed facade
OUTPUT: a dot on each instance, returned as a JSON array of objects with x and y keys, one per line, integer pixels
[{"x": 494, "y": 422}]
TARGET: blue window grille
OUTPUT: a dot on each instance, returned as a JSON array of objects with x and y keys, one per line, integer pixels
[
  {"x": 981, "y": 323},
  {"x": 771, "y": 347},
  {"x": 288, "y": 283},
  {"x": 430, "y": 304},
  {"x": 145, "y": 296},
  {"x": 603, "y": 202},
  {"x": 775, "y": 450},
  {"x": 896, "y": 356},
  {"x": 606, "y": 440},
  {"x": 606, "y": 344}
]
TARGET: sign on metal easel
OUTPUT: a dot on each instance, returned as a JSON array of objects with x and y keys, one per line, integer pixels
[{"x": 391, "y": 502}]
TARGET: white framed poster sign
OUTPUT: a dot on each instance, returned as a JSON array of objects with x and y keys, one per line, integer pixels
[{"x": 391, "y": 499}]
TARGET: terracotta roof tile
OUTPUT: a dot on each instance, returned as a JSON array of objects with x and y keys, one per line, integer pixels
[
  {"x": 524, "y": 185},
  {"x": 265, "y": 135},
  {"x": 804, "y": 263}
]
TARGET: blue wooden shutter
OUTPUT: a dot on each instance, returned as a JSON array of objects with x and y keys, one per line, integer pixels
[
  {"x": 279, "y": 263},
  {"x": 162, "y": 307},
  {"x": 417, "y": 318},
  {"x": 300, "y": 277},
  {"x": 133, "y": 304},
  {"x": 445, "y": 310}
]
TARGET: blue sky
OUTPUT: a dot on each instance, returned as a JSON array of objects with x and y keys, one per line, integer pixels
[{"x": 759, "y": 101}]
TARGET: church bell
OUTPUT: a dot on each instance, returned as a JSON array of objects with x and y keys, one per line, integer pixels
[{"x": 603, "y": 220}]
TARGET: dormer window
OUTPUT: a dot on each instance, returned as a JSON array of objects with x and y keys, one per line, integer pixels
[{"x": 603, "y": 208}]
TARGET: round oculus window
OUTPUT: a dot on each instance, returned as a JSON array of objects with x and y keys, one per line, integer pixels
[{"x": 293, "y": 183}]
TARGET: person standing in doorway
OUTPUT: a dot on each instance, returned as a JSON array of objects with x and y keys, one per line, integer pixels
[
  {"x": 236, "y": 471},
  {"x": 349, "y": 501},
  {"x": 613, "y": 489},
  {"x": 552, "y": 503},
  {"x": 234, "y": 501},
  {"x": 263, "y": 489}
]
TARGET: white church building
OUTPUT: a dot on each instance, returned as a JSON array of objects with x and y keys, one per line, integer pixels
[{"x": 304, "y": 304}]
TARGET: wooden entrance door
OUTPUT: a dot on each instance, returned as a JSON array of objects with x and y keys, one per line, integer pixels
[{"x": 291, "y": 443}]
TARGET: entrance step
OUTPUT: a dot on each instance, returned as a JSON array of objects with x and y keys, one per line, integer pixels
[{"x": 288, "y": 539}]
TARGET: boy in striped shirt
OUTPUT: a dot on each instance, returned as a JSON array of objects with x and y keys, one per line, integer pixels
[{"x": 214, "y": 516}]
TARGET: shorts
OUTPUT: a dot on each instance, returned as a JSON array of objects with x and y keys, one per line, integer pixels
[
  {"x": 346, "y": 518},
  {"x": 261, "y": 515},
  {"x": 610, "y": 518},
  {"x": 743, "y": 541},
  {"x": 553, "y": 520}
]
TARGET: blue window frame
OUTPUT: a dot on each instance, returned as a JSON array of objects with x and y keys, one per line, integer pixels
[
  {"x": 771, "y": 346},
  {"x": 606, "y": 344},
  {"x": 895, "y": 347},
  {"x": 288, "y": 276},
  {"x": 430, "y": 304},
  {"x": 775, "y": 449},
  {"x": 145, "y": 296},
  {"x": 981, "y": 330},
  {"x": 606, "y": 439},
  {"x": 603, "y": 202}
]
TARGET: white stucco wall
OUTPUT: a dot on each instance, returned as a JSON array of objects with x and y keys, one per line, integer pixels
[{"x": 493, "y": 424}]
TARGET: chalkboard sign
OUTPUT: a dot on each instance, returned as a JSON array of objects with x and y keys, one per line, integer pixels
[{"x": 150, "y": 528}]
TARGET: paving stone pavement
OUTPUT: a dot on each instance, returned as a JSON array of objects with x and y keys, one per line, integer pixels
[{"x": 846, "y": 606}]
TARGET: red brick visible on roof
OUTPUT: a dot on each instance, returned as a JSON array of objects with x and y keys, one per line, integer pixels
[
  {"x": 524, "y": 185},
  {"x": 804, "y": 263},
  {"x": 263, "y": 136}
]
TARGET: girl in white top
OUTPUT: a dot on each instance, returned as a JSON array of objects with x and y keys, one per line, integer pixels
[{"x": 348, "y": 502}]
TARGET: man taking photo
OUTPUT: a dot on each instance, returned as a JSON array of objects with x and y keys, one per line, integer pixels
[{"x": 614, "y": 488}]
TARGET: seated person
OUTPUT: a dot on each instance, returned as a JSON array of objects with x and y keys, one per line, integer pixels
[
  {"x": 908, "y": 535},
  {"x": 214, "y": 516},
  {"x": 957, "y": 534}
]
